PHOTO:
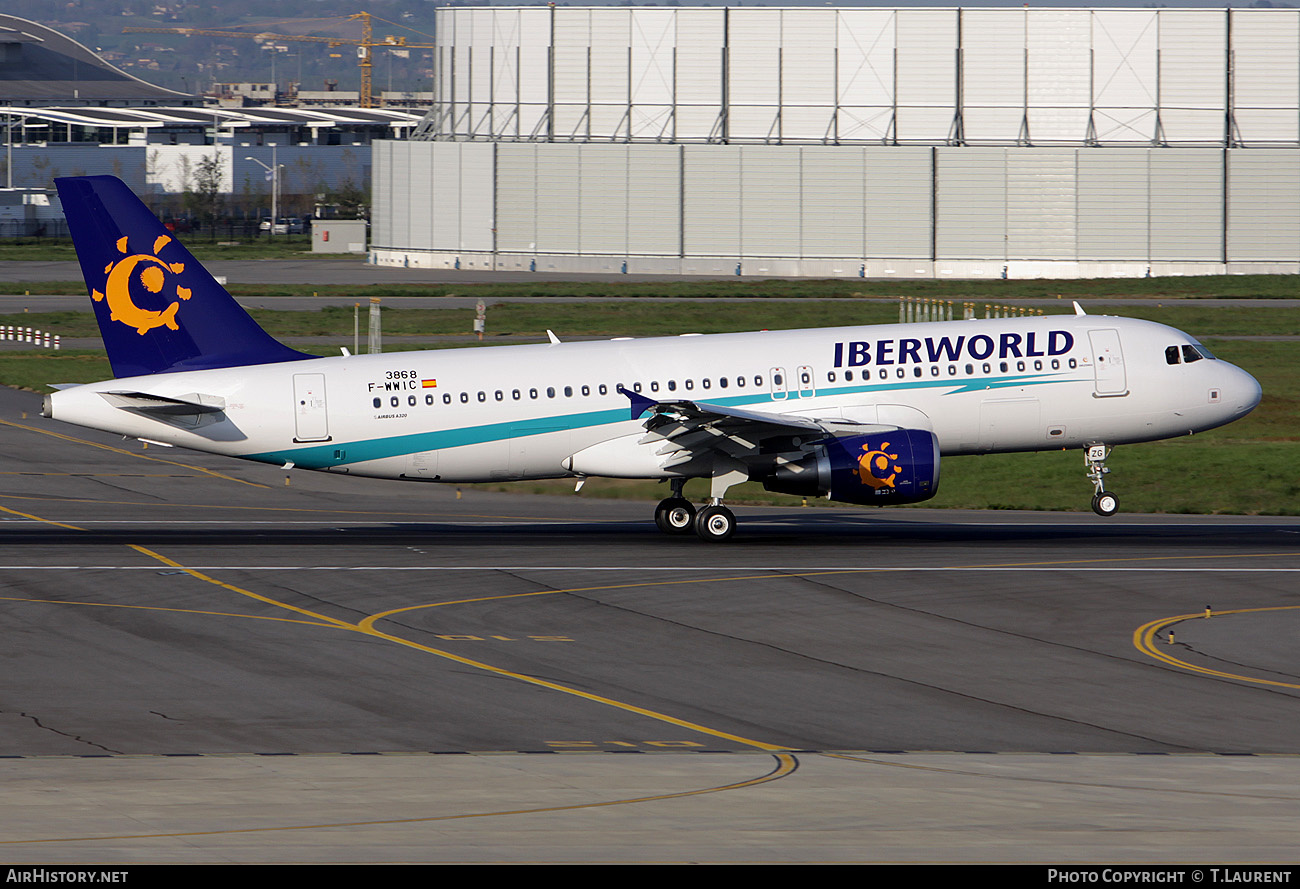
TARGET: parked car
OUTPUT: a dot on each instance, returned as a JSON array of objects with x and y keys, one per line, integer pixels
[{"x": 285, "y": 225}]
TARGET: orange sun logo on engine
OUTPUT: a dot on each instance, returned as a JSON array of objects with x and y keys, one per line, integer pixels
[
  {"x": 873, "y": 465},
  {"x": 151, "y": 272}
]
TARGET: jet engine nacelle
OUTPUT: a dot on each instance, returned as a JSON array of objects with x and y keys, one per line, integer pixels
[{"x": 901, "y": 466}]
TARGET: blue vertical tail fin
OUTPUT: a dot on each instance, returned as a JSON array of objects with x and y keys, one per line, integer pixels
[{"x": 158, "y": 310}]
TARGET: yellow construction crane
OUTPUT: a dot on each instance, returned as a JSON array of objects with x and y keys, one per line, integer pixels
[{"x": 364, "y": 45}]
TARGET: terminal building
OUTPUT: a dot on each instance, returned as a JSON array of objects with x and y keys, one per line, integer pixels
[{"x": 909, "y": 142}]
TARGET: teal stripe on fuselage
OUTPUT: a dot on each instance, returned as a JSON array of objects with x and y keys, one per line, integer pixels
[{"x": 321, "y": 456}]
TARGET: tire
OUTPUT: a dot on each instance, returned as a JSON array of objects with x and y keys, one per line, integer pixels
[
  {"x": 715, "y": 524},
  {"x": 1105, "y": 504},
  {"x": 675, "y": 516}
]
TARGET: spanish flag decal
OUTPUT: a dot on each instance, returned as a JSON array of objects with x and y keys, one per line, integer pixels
[{"x": 428, "y": 384}]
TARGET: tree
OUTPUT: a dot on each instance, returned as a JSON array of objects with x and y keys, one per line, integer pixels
[
  {"x": 203, "y": 190},
  {"x": 352, "y": 200}
]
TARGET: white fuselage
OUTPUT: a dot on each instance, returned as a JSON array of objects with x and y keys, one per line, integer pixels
[{"x": 544, "y": 411}]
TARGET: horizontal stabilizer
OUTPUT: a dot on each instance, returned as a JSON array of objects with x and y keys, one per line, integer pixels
[{"x": 163, "y": 406}]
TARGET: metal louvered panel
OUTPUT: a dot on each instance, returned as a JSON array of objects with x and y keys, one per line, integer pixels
[
  {"x": 506, "y": 41},
  {"x": 769, "y": 193},
  {"x": 653, "y": 57},
  {"x": 477, "y": 175},
  {"x": 653, "y": 207},
  {"x": 926, "y": 81},
  {"x": 971, "y": 204},
  {"x": 898, "y": 202},
  {"x": 1059, "y": 57},
  {"x": 399, "y": 195},
  {"x": 1114, "y": 217},
  {"x": 711, "y": 208},
  {"x": 516, "y": 197},
  {"x": 832, "y": 205},
  {"x": 1125, "y": 45},
  {"x": 1263, "y": 204},
  {"x": 1193, "y": 52},
  {"x": 610, "y": 45},
  {"x": 993, "y": 75},
  {"x": 559, "y": 183},
  {"x": 865, "y": 74},
  {"x": 1186, "y": 204},
  {"x": 1041, "y": 203},
  {"x": 754, "y": 76},
  {"x": 381, "y": 188},
  {"x": 700, "y": 60},
  {"x": 534, "y": 56},
  {"x": 1266, "y": 75},
  {"x": 602, "y": 203},
  {"x": 807, "y": 74},
  {"x": 434, "y": 221}
]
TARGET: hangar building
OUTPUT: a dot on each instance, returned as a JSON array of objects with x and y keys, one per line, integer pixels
[{"x": 909, "y": 142}]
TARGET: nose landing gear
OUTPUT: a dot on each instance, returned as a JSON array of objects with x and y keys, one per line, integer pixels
[{"x": 1104, "y": 503}]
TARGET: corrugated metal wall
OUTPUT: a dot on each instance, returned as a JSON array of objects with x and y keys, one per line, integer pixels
[
  {"x": 992, "y": 205},
  {"x": 864, "y": 141},
  {"x": 893, "y": 76}
]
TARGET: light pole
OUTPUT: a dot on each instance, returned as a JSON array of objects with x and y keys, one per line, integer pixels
[{"x": 272, "y": 173}]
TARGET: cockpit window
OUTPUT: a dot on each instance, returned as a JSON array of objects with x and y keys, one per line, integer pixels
[
  {"x": 1171, "y": 355},
  {"x": 1206, "y": 352},
  {"x": 1190, "y": 354}
]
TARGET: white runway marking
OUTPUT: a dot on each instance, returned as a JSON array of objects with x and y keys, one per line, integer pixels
[{"x": 776, "y": 571}]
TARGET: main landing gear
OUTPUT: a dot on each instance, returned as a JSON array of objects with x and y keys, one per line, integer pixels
[
  {"x": 1104, "y": 503},
  {"x": 675, "y": 515}
]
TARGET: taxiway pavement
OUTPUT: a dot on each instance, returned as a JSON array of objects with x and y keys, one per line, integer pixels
[{"x": 202, "y": 663}]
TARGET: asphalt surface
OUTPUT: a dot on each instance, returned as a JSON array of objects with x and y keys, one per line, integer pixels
[{"x": 202, "y": 663}]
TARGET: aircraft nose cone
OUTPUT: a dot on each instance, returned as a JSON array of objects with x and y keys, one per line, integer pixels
[{"x": 1243, "y": 391}]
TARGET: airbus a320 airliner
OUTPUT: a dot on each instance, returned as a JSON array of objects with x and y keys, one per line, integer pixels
[{"x": 854, "y": 414}]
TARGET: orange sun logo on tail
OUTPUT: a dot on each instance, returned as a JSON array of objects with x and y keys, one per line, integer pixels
[
  {"x": 152, "y": 275},
  {"x": 874, "y": 464}
]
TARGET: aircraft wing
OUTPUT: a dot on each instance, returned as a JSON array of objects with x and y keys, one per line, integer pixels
[{"x": 690, "y": 429}]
